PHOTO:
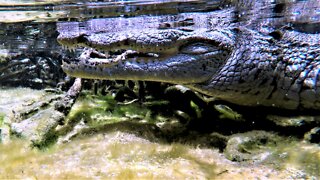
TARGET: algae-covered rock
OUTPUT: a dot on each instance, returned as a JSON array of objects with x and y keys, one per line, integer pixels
[
  {"x": 30, "y": 115},
  {"x": 269, "y": 149},
  {"x": 293, "y": 121},
  {"x": 17, "y": 104},
  {"x": 39, "y": 127},
  {"x": 93, "y": 114},
  {"x": 253, "y": 146},
  {"x": 36, "y": 118}
]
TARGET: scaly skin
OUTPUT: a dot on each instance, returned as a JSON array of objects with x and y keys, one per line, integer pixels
[
  {"x": 239, "y": 65},
  {"x": 175, "y": 52}
]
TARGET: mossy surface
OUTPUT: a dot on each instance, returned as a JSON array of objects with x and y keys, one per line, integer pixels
[
  {"x": 270, "y": 149},
  {"x": 106, "y": 140},
  {"x": 115, "y": 155},
  {"x": 100, "y": 110},
  {"x": 120, "y": 155},
  {"x": 2, "y": 115}
]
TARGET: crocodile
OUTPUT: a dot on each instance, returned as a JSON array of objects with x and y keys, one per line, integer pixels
[{"x": 251, "y": 67}]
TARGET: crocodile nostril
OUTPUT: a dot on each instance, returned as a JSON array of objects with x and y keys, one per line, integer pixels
[
  {"x": 126, "y": 42},
  {"x": 82, "y": 38},
  {"x": 276, "y": 34}
]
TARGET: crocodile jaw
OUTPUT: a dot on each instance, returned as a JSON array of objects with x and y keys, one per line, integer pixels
[
  {"x": 179, "y": 68},
  {"x": 178, "y": 57}
]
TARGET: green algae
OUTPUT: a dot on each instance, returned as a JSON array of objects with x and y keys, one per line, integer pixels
[
  {"x": 281, "y": 153},
  {"x": 196, "y": 108},
  {"x": 301, "y": 155},
  {"x": 227, "y": 112},
  {"x": 2, "y": 115},
  {"x": 100, "y": 110},
  {"x": 117, "y": 141},
  {"x": 119, "y": 155},
  {"x": 104, "y": 115},
  {"x": 114, "y": 155}
]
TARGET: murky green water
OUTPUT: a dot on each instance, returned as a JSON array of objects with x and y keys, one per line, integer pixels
[{"x": 102, "y": 138}]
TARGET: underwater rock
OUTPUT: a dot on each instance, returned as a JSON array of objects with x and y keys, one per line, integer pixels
[
  {"x": 39, "y": 127},
  {"x": 19, "y": 103},
  {"x": 295, "y": 121},
  {"x": 38, "y": 120},
  {"x": 253, "y": 146}
]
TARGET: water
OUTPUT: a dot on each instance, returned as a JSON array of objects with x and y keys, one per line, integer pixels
[
  {"x": 30, "y": 57},
  {"x": 30, "y": 25}
]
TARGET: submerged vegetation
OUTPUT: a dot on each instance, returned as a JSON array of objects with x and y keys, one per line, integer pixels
[
  {"x": 1, "y": 119},
  {"x": 103, "y": 138},
  {"x": 121, "y": 155},
  {"x": 113, "y": 155}
]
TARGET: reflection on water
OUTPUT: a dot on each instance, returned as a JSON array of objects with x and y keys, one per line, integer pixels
[
  {"x": 79, "y": 10},
  {"x": 30, "y": 20},
  {"x": 30, "y": 25}
]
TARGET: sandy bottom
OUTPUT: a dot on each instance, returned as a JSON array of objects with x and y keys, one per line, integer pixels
[
  {"x": 120, "y": 155},
  {"x": 116, "y": 152}
]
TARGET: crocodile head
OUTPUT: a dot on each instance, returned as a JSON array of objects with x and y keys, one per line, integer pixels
[
  {"x": 239, "y": 65},
  {"x": 164, "y": 55}
]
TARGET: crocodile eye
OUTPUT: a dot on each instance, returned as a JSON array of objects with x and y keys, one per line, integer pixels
[{"x": 198, "y": 48}]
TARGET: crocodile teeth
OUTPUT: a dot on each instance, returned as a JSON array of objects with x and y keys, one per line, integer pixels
[
  {"x": 152, "y": 55},
  {"x": 69, "y": 48},
  {"x": 72, "y": 49}
]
